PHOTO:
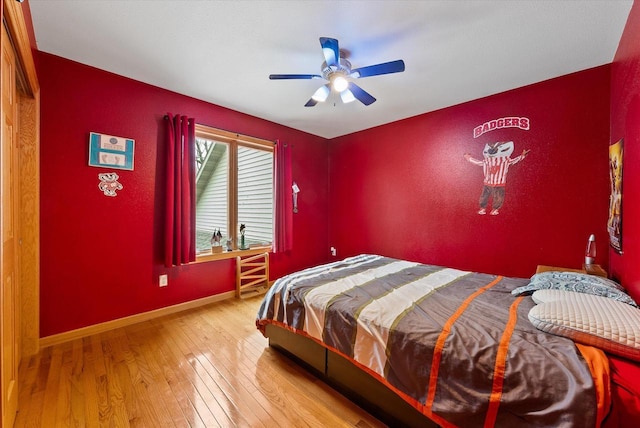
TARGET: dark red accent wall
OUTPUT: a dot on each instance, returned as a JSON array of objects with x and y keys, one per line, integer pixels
[
  {"x": 625, "y": 124},
  {"x": 404, "y": 189},
  {"x": 101, "y": 256}
]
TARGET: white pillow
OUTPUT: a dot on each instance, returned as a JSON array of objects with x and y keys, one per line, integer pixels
[
  {"x": 591, "y": 320},
  {"x": 545, "y": 296}
]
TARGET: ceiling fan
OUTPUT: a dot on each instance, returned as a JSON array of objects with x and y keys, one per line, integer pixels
[{"x": 337, "y": 70}]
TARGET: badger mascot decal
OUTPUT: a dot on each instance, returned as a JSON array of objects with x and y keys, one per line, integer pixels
[{"x": 495, "y": 165}]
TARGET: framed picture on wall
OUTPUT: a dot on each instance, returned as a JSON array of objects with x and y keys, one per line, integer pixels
[
  {"x": 614, "y": 224},
  {"x": 108, "y": 151}
]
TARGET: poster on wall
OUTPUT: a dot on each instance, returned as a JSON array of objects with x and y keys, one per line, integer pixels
[
  {"x": 496, "y": 161},
  {"x": 108, "y": 151},
  {"x": 614, "y": 224}
]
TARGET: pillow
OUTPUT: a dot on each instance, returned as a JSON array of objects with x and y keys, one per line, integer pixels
[
  {"x": 580, "y": 287},
  {"x": 569, "y": 277},
  {"x": 592, "y": 320},
  {"x": 578, "y": 282},
  {"x": 545, "y": 296}
]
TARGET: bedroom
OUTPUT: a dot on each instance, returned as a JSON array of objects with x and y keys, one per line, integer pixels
[{"x": 425, "y": 210}]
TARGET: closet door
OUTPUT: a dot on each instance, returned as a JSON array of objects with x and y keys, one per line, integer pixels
[{"x": 9, "y": 318}]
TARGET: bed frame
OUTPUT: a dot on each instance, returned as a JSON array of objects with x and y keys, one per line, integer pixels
[{"x": 359, "y": 386}]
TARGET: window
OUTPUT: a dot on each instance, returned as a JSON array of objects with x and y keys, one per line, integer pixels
[{"x": 234, "y": 186}]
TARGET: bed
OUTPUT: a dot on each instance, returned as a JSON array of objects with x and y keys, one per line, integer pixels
[{"x": 423, "y": 345}]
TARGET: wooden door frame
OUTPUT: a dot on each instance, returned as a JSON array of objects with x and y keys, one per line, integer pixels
[
  {"x": 28, "y": 175},
  {"x": 25, "y": 300},
  {"x": 9, "y": 232}
]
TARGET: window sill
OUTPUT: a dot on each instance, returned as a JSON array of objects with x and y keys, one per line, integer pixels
[{"x": 209, "y": 256}]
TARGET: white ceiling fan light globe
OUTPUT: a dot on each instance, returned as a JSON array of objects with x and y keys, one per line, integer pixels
[
  {"x": 321, "y": 94},
  {"x": 347, "y": 96},
  {"x": 339, "y": 83}
]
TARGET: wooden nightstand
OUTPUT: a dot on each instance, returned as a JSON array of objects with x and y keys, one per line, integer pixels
[
  {"x": 595, "y": 270},
  {"x": 590, "y": 269}
]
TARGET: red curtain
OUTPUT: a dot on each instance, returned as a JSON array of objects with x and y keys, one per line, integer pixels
[
  {"x": 283, "y": 239},
  {"x": 180, "y": 223}
]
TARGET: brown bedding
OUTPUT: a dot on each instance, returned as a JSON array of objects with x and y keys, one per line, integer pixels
[{"x": 455, "y": 345}]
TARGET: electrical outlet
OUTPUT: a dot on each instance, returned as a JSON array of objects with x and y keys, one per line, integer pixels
[
  {"x": 164, "y": 280},
  {"x": 333, "y": 251}
]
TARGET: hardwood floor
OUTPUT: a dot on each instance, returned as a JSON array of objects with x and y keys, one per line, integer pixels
[{"x": 206, "y": 367}]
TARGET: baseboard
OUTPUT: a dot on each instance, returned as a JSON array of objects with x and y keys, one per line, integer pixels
[{"x": 67, "y": 336}]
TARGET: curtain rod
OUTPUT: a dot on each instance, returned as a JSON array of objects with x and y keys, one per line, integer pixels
[{"x": 166, "y": 117}]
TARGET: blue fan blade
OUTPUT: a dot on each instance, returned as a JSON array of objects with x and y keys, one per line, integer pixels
[
  {"x": 294, "y": 76},
  {"x": 330, "y": 50},
  {"x": 375, "y": 70},
  {"x": 363, "y": 96},
  {"x": 311, "y": 103}
]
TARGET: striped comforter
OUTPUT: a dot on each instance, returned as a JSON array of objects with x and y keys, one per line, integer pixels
[{"x": 456, "y": 345}]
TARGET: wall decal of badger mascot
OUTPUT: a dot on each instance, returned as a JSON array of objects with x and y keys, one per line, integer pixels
[{"x": 495, "y": 165}]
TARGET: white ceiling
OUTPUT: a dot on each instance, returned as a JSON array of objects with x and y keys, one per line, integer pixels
[{"x": 223, "y": 51}]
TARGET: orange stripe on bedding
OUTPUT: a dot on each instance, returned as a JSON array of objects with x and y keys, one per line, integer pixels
[
  {"x": 437, "y": 352},
  {"x": 500, "y": 366},
  {"x": 599, "y": 367}
]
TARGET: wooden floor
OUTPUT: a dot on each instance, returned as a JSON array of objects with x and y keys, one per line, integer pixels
[{"x": 207, "y": 367}]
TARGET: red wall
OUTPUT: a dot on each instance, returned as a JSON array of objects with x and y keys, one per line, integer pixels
[
  {"x": 404, "y": 189},
  {"x": 101, "y": 256},
  {"x": 625, "y": 124}
]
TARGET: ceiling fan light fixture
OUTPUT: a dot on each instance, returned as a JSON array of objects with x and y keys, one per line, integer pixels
[
  {"x": 339, "y": 83},
  {"x": 336, "y": 69},
  {"x": 347, "y": 96},
  {"x": 321, "y": 94}
]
